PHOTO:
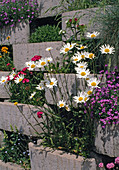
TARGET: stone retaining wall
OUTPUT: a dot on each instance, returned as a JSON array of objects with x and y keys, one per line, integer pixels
[
  {"x": 9, "y": 166},
  {"x": 10, "y": 115},
  {"x": 24, "y": 52},
  {"x": 18, "y": 34},
  {"x": 48, "y": 159}
]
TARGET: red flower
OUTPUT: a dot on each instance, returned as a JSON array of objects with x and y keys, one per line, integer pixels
[
  {"x": 75, "y": 19},
  {"x": 8, "y": 64},
  {"x": 25, "y": 80},
  {"x": 70, "y": 20},
  {"x": 24, "y": 69},
  {"x": 21, "y": 72},
  {"x": 13, "y": 68},
  {"x": 8, "y": 79},
  {"x": 39, "y": 114},
  {"x": 36, "y": 57}
]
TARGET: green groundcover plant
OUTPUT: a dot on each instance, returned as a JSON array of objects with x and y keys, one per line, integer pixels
[
  {"x": 13, "y": 11},
  {"x": 45, "y": 33},
  {"x": 15, "y": 148},
  {"x": 68, "y": 122}
]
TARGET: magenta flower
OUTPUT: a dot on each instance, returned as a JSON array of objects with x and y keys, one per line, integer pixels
[
  {"x": 101, "y": 165},
  {"x": 110, "y": 165},
  {"x": 39, "y": 114},
  {"x": 117, "y": 160}
]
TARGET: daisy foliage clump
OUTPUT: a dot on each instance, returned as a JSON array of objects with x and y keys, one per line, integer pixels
[{"x": 69, "y": 101}]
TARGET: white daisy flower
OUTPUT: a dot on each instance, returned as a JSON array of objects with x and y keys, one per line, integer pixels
[
  {"x": 81, "y": 98},
  {"x": 40, "y": 86},
  {"x": 89, "y": 91},
  {"x": 49, "y": 59},
  {"x": 67, "y": 108},
  {"x": 82, "y": 55},
  {"x": 12, "y": 75},
  {"x": 49, "y": 49},
  {"x": 19, "y": 79},
  {"x": 32, "y": 95},
  {"x": 3, "y": 80},
  {"x": 41, "y": 63},
  {"x": 107, "y": 49},
  {"x": 81, "y": 65},
  {"x": 82, "y": 73},
  {"x": 81, "y": 47},
  {"x": 75, "y": 59},
  {"x": 52, "y": 82},
  {"x": 28, "y": 63},
  {"x": 92, "y": 35},
  {"x": 93, "y": 82},
  {"x": 67, "y": 47},
  {"x": 61, "y": 104},
  {"x": 31, "y": 66},
  {"x": 90, "y": 55}
]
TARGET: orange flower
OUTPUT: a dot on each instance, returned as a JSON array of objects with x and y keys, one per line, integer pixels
[
  {"x": 4, "y": 49},
  {"x": 0, "y": 56},
  {"x": 8, "y": 37}
]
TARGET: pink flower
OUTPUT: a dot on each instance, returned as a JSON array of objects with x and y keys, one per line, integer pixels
[
  {"x": 39, "y": 114},
  {"x": 8, "y": 64},
  {"x": 36, "y": 57},
  {"x": 117, "y": 160},
  {"x": 25, "y": 80},
  {"x": 75, "y": 19},
  {"x": 110, "y": 165},
  {"x": 13, "y": 68},
  {"x": 101, "y": 165}
]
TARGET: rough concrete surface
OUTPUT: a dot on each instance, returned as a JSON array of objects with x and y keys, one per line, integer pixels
[
  {"x": 9, "y": 166},
  {"x": 18, "y": 34},
  {"x": 47, "y": 159},
  {"x": 10, "y": 115},
  {"x": 24, "y": 52},
  {"x": 107, "y": 140}
]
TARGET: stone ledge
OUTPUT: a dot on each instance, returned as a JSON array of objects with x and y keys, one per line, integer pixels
[
  {"x": 24, "y": 52},
  {"x": 9, "y": 166},
  {"x": 10, "y": 115},
  {"x": 47, "y": 159},
  {"x": 107, "y": 140}
]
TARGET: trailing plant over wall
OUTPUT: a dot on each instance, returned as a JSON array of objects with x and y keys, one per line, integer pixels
[
  {"x": 45, "y": 33},
  {"x": 13, "y": 11}
]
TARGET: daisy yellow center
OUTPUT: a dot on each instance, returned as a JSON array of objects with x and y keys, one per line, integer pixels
[
  {"x": 3, "y": 80},
  {"x": 33, "y": 65},
  {"x": 93, "y": 35},
  {"x": 66, "y": 49},
  {"x": 49, "y": 49},
  {"x": 15, "y": 103},
  {"x": 66, "y": 108},
  {"x": 51, "y": 83},
  {"x": 61, "y": 105},
  {"x": 80, "y": 98},
  {"x": 85, "y": 99},
  {"x": 82, "y": 47},
  {"x": 107, "y": 50},
  {"x": 83, "y": 73},
  {"x": 81, "y": 66},
  {"x": 20, "y": 79},
  {"x": 82, "y": 56},
  {"x": 76, "y": 59},
  {"x": 93, "y": 84},
  {"x": 48, "y": 60},
  {"x": 70, "y": 46},
  {"x": 91, "y": 55},
  {"x": 89, "y": 92},
  {"x": 43, "y": 63}
]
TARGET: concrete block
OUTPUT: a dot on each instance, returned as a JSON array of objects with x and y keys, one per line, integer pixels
[
  {"x": 107, "y": 140},
  {"x": 11, "y": 115},
  {"x": 18, "y": 34},
  {"x": 1, "y": 138},
  {"x": 87, "y": 16},
  {"x": 9, "y": 166},
  {"x": 3, "y": 92},
  {"x": 47, "y": 159},
  {"x": 24, "y": 52},
  {"x": 45, "y": 5}
]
